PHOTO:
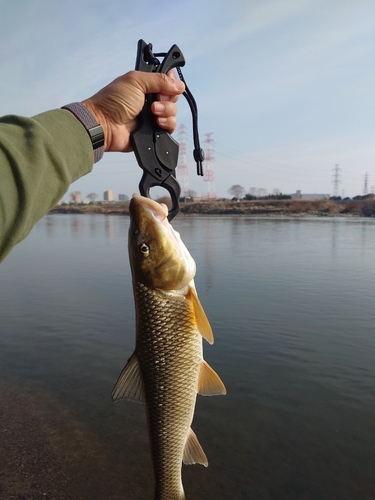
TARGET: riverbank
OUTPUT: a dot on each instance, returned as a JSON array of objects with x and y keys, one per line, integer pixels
[
  {"x": 296, "y": 208},
  {"x": 48, "y": 453}
]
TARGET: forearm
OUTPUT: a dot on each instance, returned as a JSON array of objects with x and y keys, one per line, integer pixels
[{"x": 39, "y": 158}]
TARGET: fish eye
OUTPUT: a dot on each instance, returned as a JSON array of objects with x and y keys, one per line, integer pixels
[{"x": 144, "y": 249}]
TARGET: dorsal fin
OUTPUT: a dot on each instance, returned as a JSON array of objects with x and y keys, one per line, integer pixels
[
  {"x": 193, "y": 452},
  {"x": 129, "y": 384},
  {"x": 209, "y": 382},
  {"x": 203, "y": 324}
]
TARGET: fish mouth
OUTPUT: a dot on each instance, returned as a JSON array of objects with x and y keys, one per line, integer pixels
[{"x": 157, "y": 210}]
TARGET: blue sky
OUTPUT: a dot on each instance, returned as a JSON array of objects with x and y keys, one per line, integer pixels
[{"x": 286, "y": 87}]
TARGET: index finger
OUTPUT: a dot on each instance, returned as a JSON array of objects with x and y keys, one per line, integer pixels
[{"x": 163, "y": 97}]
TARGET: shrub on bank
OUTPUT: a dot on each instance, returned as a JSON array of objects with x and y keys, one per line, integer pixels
[{"x": 360, "y": 208}]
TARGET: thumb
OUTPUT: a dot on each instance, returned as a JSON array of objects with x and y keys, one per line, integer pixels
[{"x": 157, "y": 83}]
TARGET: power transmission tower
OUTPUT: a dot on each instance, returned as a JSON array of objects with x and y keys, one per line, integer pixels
[
  {"x": 336, "y": 180},
  {"x": 182, "y": 168},
  {"x": 209, "y": 172},
  {"x": 365, "y": 187}
]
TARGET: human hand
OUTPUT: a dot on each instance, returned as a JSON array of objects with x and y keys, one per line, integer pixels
[{"x": 117, "y": 105}]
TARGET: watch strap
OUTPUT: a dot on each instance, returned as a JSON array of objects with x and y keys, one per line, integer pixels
[{"x": 93, "y": 128}]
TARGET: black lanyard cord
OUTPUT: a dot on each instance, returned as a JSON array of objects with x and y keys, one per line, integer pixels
[{"x": 198, "y": 152}]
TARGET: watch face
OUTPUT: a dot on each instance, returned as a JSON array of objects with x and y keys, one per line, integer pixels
[{"x": 97, "y": 136}]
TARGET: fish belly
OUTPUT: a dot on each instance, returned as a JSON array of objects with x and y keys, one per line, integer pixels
[{"x": 169, "y": 350}]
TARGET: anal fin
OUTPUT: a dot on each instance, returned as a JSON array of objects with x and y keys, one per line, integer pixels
[
  {"x": 129, "y": 384},
  {"x": 193, "y": 452},
  {"x": 209, "y": 382}
]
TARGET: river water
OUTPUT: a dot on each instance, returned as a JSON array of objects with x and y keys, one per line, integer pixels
[{"x": 292, "y": 306}]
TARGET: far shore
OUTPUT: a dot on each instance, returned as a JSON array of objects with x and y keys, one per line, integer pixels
[{"x": 267, "y": 208}]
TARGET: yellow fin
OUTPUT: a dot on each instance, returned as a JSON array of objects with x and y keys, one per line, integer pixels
[
  {"x": 209, "y": 382},
  {"x": 203, "y": 324},
  {"x": 129, "y": 384},
  {"x": 193, "y": 452}
]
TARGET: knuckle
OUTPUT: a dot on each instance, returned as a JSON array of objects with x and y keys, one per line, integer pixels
[{"x": 131, "y": 75}]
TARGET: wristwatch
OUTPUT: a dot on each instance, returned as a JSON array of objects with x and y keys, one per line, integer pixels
[{"x": 93, "y": 128}]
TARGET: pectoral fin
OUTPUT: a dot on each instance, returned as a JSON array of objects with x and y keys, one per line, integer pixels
[
  {"x": 193, "y": 452},
  {"x": 203, "y": 324},
  {"x": 209, "y": 382},
  {"x": 129, "y": 384}
]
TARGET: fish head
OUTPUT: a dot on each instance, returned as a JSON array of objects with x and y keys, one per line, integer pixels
[{"x": 158, "y": 256}]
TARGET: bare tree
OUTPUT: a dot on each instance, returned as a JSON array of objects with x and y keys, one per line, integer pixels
[
  {"x": 261, "y": 192},
  {"x": 253, "y": 191},
  {"x": 276, "y": 192},
  {"x": 236, "y": 191},
  {"x": 92, "y": 196}
]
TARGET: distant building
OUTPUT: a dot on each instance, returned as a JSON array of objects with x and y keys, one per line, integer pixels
[
  {"x": 76, "y": 197},
  {"x": 123, "y": 197},
  {"x": 299, "y": 196},
  {"x": 109, "y": 195}
]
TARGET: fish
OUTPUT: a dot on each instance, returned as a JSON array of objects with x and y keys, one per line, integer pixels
[{"x": 167, "y": 369}]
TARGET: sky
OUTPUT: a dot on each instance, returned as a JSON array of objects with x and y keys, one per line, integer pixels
[{"x": 285, "y": 87}]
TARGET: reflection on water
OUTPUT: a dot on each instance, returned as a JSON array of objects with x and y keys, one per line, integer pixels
[
  {"x": 291, "y": 303},
  {"x": 110, "y": 228},
  {"x": 50, "y": 228},
  {"x": 209, "y": 255},
  {"x": 76, "y": 226}
]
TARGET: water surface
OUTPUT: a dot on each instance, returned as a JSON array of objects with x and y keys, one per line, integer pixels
[{"x": 291, "y": 303}]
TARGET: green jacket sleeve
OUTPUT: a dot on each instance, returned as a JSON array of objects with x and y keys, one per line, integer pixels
[{"x": 39, "y": 158}]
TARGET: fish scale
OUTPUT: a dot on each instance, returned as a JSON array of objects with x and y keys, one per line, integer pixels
[{"x": 170, "y": 357}]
